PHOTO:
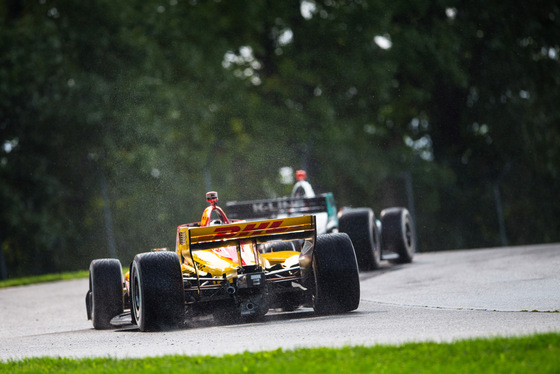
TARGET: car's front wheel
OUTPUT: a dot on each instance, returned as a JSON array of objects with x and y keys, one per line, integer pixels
[
  {"x": 105, "y": 296},
  {"x": 398, "y": 234}
]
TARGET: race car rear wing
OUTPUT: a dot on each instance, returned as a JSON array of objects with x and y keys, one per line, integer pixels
[
  {"x": 195, "y": 238},
  {"x": 284, "y": 206}
]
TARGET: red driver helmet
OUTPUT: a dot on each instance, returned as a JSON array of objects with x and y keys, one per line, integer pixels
[
  {"x": 212, "y": 197},
  {"x": 301, "y": 175}
]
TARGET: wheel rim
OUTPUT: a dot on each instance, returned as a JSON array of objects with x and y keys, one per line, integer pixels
[
  {"x": 92, "y": 302},
  {"x": 408, "y": 235},
  {"x": 376, "y": 246},
  {"x": 137, "y": 297}
]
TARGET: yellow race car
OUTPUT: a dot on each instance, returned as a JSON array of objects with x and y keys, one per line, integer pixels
[{"x": 233, "y": 270}]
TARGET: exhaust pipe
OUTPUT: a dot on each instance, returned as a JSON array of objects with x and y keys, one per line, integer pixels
[{"x": 231, "y": 290}]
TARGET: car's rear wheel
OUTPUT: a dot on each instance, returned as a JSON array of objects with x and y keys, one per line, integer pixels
[
  {"x": 337, "y": 282},
  {"x": 398, "y": 234},
  {"x": 360, "y": 226},
  {"x": 157, "y": 293},
  {"x": 106, "y": 291}
]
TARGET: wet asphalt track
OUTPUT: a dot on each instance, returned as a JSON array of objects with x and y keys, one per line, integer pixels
[{"x": 440, "y": 297}]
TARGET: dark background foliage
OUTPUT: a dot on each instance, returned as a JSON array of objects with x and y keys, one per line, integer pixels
[{"x": 117, "y": 116}]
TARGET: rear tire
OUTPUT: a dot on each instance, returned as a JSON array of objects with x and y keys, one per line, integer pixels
[
  {"x": 337, "y": 282},
  {"x": 360, "y": 226},
  {"x": 398, "y": 234},
  {"x": 106, "y": 291},
  {"x": 157, "y": 293}
]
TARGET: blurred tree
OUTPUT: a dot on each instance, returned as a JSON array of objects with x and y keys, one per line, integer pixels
[
  {"x": 166, "y": 100},
  {"x": 492, "y": 67}
]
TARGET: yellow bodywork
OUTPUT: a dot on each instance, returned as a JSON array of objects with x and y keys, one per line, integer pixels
[
  {"x": 219, "y": 251},
  {"x": 208, "y": 262}
]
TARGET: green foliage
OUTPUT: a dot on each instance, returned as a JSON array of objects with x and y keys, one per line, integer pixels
[
  {"x": 166, "y": 100},
  {"x": 43, "y": 278},
  {"x": 539, "y": 353}
]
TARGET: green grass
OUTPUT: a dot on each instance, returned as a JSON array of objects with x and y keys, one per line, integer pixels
[
  {"x": 531, "y": 354},
  {"x": 24, "y": 281},
  {"x": 43, "y": 278}
]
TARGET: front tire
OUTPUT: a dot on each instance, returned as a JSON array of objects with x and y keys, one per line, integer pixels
[
  {"x": 106, "y": 291},
  {"x": 157, "y": 293},
  {"x": 398, "y": 234},
  {"x": 337, "y": 282},
  {"x": 360, "y": 226}
]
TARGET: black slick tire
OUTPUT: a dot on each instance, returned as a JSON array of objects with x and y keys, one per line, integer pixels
[
  {"x": 337, "y": 282},
  {"x": 106, "y": 291},
  {"x": 157, "y": 293},
  {"x": 398, "y": 234},
  {"x": 359, "y": 224}
]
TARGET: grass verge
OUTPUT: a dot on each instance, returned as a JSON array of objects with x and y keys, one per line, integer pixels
[
  {"x": 43, "y": 278},
  {"x": 531, "y": 354},
  {"x": 25, "y": 281}
]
